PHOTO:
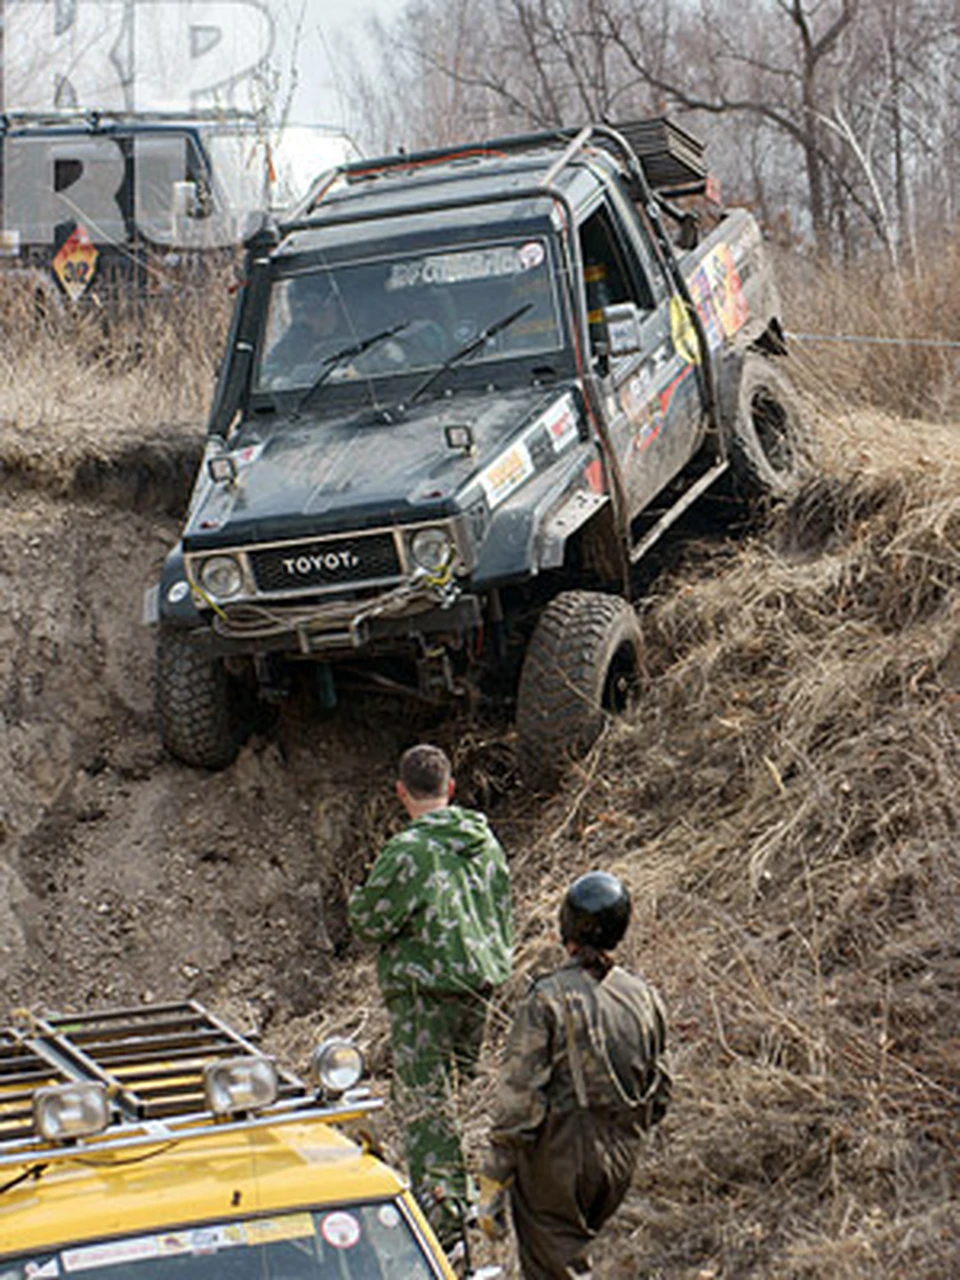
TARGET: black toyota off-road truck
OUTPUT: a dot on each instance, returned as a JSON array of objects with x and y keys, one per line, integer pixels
[{"x": 464, "y": 392}]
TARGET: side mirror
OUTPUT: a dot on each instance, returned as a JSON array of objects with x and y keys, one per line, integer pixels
[
  {"x": 622, "y": 324},
  {"x": 184, "y": 202}
]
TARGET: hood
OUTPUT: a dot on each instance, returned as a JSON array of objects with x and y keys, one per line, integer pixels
[
  {"x": 305, "y": 476},
  {"x": 464, "y": 831}
]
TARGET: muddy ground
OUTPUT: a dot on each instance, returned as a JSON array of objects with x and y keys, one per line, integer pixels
[
  {"x": 126, "y": 875},
  {"x": 784, "y": 806}
]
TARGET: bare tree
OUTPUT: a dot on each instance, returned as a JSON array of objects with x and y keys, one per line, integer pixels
[{"x": 842, "y": 113}]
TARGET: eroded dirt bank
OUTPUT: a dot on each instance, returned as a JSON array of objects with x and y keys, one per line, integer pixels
[
  {"x": 784, "y": 805},
  {"x": 124, "y": 874}
]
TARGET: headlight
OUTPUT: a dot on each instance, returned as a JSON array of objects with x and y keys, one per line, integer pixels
[
  {"x": 239, "y": 1084},
  {"x": 336, "y": 1066},
  {"x": 432, "y": 549},
  {"x": 220, "y": 576},
  {"x": 65, "y": 1111}
]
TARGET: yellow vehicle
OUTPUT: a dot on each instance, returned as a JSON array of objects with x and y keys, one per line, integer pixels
[{"x": 158, "y": 1144}]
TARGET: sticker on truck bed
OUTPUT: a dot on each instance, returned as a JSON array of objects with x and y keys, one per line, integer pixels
[
  {"x": 682, "y": 332},
  {"x": 717, "y": 294}
]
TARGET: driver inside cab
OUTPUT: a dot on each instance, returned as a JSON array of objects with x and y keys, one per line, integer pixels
[{"x": 316, "y": 327}]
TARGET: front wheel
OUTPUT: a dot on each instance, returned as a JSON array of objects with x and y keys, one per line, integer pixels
[
  {"x": 197, "y": 703},
  {"x": 583, "y": 663},
  {"x": 771, "y": 450}
]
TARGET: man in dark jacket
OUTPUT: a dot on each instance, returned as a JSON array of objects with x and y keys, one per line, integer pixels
[
  {"x": 437, "y": 903},
  {"x": 582, "y": 1079}
]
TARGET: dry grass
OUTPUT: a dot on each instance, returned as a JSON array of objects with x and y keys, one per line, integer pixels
[
  {"x": 786, "y": 808},
  {"x": 911, "y": 381},
  {"x": 74, "y": 375}
]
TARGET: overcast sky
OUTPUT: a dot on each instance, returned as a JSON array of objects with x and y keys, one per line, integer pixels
[
  {"x": 171, "y": 56},
  {"x": 325, "y": 25}
]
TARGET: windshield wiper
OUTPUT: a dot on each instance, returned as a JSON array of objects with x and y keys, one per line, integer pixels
[
  {"x": 468, "y": 348},
  {"x": 355, "y": 349}
]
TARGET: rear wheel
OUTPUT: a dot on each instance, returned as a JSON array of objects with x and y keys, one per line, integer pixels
[
  {"x": 199, "y": 705},
  {"x": 771, "y": 452},
  {"x": 582, "y": 664}
]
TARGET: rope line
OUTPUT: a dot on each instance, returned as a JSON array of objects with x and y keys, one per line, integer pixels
[{"x": 874, "y": 341}]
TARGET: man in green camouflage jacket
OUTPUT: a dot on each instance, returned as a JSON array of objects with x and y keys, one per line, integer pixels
[
  {"x": 582, "y": 1079},
  {"x": 437, "y": 904}
]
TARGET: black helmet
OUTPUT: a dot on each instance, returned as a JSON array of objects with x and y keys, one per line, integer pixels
[{"x": 595, "y": 911}]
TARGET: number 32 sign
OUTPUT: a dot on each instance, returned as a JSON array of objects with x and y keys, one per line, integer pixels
[{"x": 75, "y": 262}]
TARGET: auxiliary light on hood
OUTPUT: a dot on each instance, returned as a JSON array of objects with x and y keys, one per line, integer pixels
[
  {"x": 238, "y": 1085},
  {"x": 336, "y": 1066},
  {"x": 63, "y": 1112}
]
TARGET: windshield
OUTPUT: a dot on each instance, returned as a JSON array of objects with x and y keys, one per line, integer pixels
[
  {"x": 439, "y": 302},
  {"x": 355, "y": 1242}
]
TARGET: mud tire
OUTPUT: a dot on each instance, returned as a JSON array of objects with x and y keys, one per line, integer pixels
[
  {"x": 197, "y": 704},
  {"x": 771, "y": 450},
  {"x": 582, "y": 664}
]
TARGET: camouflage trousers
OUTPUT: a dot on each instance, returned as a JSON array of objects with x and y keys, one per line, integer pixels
[{"x": 436, "y": 1043}]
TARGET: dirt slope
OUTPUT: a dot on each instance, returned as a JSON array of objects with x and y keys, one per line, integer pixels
[
  {"x": 123, "y": 873},
  {"x": 784, "y": 805}
]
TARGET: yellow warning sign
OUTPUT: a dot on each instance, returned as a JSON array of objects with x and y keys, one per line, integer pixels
[
  {"x": 682, "y": 331},
  {"x": 75, "y": 262}
]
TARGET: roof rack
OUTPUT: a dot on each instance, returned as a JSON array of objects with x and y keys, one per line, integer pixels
[
  {"x": 669, "y": 155},
  {"x": 22, "y": 1071},
  {"x": 669, "y": 159},
  {"x": 151, "y": 1060},
  {"x": 95, "y": 119}
]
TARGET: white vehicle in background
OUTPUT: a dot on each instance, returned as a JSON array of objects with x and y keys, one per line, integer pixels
[{"x": 302, "y": 151}]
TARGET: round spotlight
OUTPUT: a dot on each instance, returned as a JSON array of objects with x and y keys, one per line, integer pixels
[{"x": 336, "y": 1066}]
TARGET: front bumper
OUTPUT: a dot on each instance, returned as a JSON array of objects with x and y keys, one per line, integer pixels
[{"x": 339, "y": 628}]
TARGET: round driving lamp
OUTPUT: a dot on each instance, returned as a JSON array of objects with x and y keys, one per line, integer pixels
[
  {"x": 220, "y": 577},
  {"x": 336, "y": 1066},
  {"x": 431, "y": 549}
]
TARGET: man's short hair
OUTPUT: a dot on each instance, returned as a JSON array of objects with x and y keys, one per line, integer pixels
[{"x": 425, "y": 771}]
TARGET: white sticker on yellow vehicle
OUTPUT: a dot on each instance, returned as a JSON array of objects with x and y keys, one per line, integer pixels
[
  {"x": 341, "y": 1230},
  {"x": 202, "y": 1240},
  {"x": 196, "y": 1241},
  {"x": 507, "y": 474},
  {"x": 388, "y": 1216},
  {"x": 560, "y": 423},
  {"x": 111, "y": 1254},
  {"x": 292, "y": 1226}
]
